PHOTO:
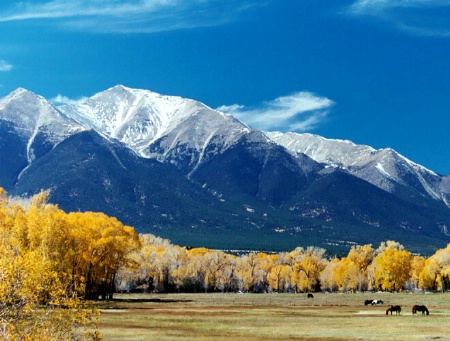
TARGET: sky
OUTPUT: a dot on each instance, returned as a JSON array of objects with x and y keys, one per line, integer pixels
[{"x": 376, "y": 72}]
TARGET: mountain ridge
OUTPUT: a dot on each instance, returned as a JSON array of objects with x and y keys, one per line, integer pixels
[
  {"x": 385, "y": 168},
  {"x": 179, "y": 169}
]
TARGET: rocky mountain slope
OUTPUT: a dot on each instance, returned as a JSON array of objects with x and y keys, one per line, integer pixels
[
  {"x": 176, "y": 168},
  {"x": 384, "y": 168}
]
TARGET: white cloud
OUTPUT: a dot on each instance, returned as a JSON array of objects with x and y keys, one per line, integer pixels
[
  {"x": 60, "y": 100},
  {"x": 5, "y": 66},
  {"x": 417, "y": 17},
  {"x": 128, "y": 16},
  {"x": 300, "y": 111}
]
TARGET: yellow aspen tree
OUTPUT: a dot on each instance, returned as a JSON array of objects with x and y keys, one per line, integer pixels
[
  {"x": 226, "y": 275},
  {"x": 198, "y": 273},
  {"x": 436, "y": 271},
  {"x": 443, "y": 259},
  {"x": 214, "y": 262},
  {"x": 251, "y": 273},
  {"x": 392, "y": 269},
  {"x": 306, "y": 272},
  {"x": 389, "y": 244},
  {"x": 180, "y": 273},
  {"x": 32, "y": 291},
  {"x": 268, "y": 261},
  {"x": 140, "y": 270},
  {"x": 417, "y": 265},
  {"x": 362, "y": 256},
  {"x": 430, "y": 276},
  {"x": 347, "y": 275},
  {"x": 328, "y": 279},
  {"x": 107, "y": 244},
  {"x": 163, "y": 260},
  {"x": 279, "y": 277},
  {"x": 94, "y": 246}
]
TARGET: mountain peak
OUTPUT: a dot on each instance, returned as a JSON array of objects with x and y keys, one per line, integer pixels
[
  {"x": 384, "y": 168},
  {"x": 19, "y": 91},
  {"x": 133, "y": 116},
  {"x": 20, "y": 94},
  {"x": 212, "y": 171},
  {"x": 32, "y": 114},
  {"x": 124, "y": 92},
  {"x": 123, "y": 88},
  {"x": 24, "y": 107}
]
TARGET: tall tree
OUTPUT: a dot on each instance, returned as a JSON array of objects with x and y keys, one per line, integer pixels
[
  {"x": 392, "y": 268},
  {"x": 33, "y": 289},
  {"x": 347, "y": 274},
  {"x": 306, "y": 271},
  {"x": 436, "y": 271},
  {"x": 362, "y": 257}
]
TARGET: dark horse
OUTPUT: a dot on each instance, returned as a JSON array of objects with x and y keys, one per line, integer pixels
[
  {"x": 368, "y": 302},
  {"x": 421, "y": 308},
  {"x": 392, "y": 308},
  {"x": 310, "y": 295}
]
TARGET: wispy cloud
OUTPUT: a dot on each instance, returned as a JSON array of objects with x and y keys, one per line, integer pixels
[
  {"x": 5, "y": 66},
  {"x": 128, "y": 16},
  {"x": 61, "y": 99},
  {"x": 417, "y": 17},
  {"x": 300, "y": 111}
]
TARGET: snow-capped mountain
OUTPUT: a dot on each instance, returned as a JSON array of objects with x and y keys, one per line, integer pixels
[
  {"x": 177, "y": 168},
  {"x": 34, "y": 117},
  {"x": 157, "y": 126},
  {"x": 384, "y": 168},
  {"x": 133, "y": 116}
]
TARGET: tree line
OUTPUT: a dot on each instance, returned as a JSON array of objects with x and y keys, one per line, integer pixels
[
  {"x": 53, "y": 262},
  {"x": 163, "y": 267}
]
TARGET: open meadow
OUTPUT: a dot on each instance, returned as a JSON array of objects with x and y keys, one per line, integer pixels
[{"x": 230, "y": 316}]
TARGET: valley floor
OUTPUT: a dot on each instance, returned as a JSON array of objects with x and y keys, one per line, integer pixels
[{"x": 273, "y": 317}]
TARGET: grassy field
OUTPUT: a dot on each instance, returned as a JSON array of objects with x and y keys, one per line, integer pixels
[{"x": 273, "y": 317}]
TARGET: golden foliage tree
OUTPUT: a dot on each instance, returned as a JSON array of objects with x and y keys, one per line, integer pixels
[
  {"x": 97, "y": 247},
  {"x": 436, "y": 270},
  {"x": 307, "y": 267},
  {"x": 392, "y": 268},
  {"x": 36, "y": 298},
  {"x": 328, "y": 279},
  {"x": 250, "y": 272},
  {"x": 417, "y": 265},
  {"x": 279, "y": 277},
  {"x": 347, "y": 275},
  {"x": 361, "y": 256}
]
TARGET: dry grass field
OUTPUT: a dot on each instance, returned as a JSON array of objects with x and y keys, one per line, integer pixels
[{"x": 273, "y": 317}]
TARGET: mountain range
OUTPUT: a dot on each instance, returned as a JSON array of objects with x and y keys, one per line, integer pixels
[{"x": 176, "y": 168}]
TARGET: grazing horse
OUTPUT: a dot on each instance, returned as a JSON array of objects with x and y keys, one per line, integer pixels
[
  {"x": 367, "y": 302},
  {"x": 421, "y": 308},
  {"x": 375, "y": 302},
  {"x": 310, "y": 296},
  {"x": 392, "y": 308}
]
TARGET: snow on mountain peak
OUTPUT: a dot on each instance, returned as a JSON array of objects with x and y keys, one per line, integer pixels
[
  {"x": 188, "y": 133},
  {"x": 382, "y": 167},
  {"x": 140, "y": 117},
  {"x": 31, "y": 113},
  {"x": 337, "y": 153}
]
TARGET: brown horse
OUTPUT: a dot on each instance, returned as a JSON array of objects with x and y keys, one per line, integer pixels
[
  {"x": 421, "y": 308},
  {"x": 392, "y": 308}
]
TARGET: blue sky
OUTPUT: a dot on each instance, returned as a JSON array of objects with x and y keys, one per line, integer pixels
[{"x": 375, "y": 72}]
